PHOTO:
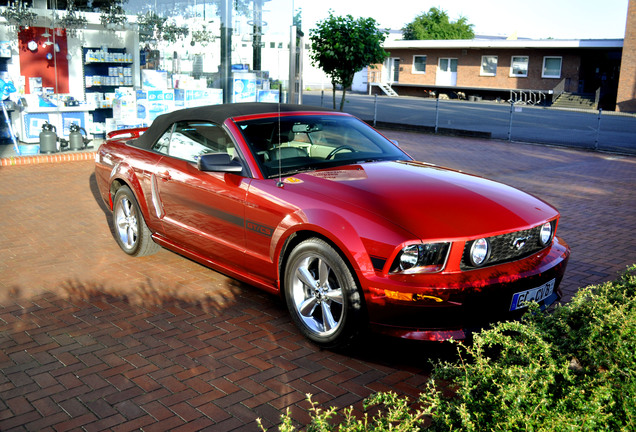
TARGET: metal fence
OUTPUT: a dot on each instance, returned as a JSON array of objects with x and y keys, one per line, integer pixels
[{"x": 594, "y": 130}]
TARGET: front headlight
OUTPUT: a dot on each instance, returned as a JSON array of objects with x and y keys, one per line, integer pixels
[
  {"x": 421, "y": 258},
  {"x": 545, "y": 235},
  {"x": 479, "y": 252}
]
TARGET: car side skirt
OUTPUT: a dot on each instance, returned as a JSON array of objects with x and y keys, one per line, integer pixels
[{"x": 228, "y": 271}]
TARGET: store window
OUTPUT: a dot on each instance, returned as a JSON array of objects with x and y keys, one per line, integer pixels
[
  {"x": 123, "y": 68},
  {"x": 519, "y": 66},
  {"x": 488, "y": 66},
  {"x": 419, "y": 64},
  {"x": 551, "y": 67}
]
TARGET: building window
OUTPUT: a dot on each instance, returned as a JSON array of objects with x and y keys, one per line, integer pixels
[
  {"x": 272, "y": 44},
  {"x": 519, "y": 66},
  {"x": 419, "y": 64},
  {"x": 551, "y": 67},
  {"x": 488, "y": 65}
]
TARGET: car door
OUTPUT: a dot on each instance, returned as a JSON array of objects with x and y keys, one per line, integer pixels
[{"x": 202, "y": 212}]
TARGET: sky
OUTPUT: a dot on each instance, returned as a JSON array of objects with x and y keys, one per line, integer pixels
[{"x": 537, "y": 19}]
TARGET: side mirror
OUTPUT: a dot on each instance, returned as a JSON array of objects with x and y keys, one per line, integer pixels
[
  {"x": 219, "y": 162},
  {"x": 397, "y": 144}
]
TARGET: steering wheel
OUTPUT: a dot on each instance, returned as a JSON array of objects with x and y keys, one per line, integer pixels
[{"x": 337, "y": 149}]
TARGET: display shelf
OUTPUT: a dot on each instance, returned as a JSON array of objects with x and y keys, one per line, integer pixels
[
  {"x": 105, "y": 71},
  {"x": 107, "y": 62}
]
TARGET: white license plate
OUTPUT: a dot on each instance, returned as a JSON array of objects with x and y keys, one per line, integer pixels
[{"x": 522, "y": 299}]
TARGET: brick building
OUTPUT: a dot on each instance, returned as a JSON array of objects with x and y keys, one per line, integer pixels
[
  {"x": 535, "y": 71},
  {"x": 626, "y": 99}
]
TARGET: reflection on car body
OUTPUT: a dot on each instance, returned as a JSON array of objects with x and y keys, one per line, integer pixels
[{"x": 320, "y": 208}]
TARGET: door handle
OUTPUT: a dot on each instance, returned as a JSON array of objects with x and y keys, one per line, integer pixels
[{"x": 164, "y": 175}]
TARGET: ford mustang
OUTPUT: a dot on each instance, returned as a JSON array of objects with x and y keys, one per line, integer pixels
[{"x": 320, "y": 208}]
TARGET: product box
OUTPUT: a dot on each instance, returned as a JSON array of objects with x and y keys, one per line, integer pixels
[
  {"x": 268, "y": 96},
  {"x": 152, "y": 103},
  {"x": 194, "y": 98},
  {"x": 153, "y": 79},
  {"x": 124, "y": 104},
  {"x": 244, "y": 87}
]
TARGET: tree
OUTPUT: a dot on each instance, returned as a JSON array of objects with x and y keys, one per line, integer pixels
[
  {"x": 435, "y": 24},
  {"x": 342, "y": 46}
]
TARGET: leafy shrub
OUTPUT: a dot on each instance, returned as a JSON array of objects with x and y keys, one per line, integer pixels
[
  {"x": 571, "y": 370},
  {"x": 396, "y": 416}
]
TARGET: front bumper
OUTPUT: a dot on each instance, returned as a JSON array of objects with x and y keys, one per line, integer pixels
[{"x": 453, "y": 305}]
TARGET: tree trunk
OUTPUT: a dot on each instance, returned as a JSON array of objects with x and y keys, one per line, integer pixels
[{"x": 342, "y": 101}]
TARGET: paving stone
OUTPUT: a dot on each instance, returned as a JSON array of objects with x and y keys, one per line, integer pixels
[{"x": 162, "y": 343}]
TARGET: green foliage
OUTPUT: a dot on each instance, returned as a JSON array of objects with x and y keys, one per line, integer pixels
[
  {"x": 342, "y": 46},
  {"x": 113, "y": 15},
  {"x": 394, "y": 414},
  {"x": 571, "y": 370},
  {"x": 435, "y": 24},
  {"x": 153, "y": 28}
]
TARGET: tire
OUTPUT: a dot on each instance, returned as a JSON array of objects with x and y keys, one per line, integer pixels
[
  {"x": 322, "y": 295},
  {"x": 131, "y": 232}
]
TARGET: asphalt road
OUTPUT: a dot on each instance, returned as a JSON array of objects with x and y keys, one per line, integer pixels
[{"x": 581, "y": 129}]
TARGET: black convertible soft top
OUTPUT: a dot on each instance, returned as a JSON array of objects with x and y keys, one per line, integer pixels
[{"x": 215, "y": 114}]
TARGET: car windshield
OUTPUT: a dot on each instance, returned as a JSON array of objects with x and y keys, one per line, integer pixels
[{"x": 290, "y": 144}]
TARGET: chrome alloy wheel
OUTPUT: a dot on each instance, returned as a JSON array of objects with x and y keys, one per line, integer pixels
[
  {"x": 126, "y": 223},
  {"x": 317, "y": 296}
]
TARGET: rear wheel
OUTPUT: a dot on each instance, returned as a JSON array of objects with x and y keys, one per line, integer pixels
[
  {"x": 322, "y": 295},
  {"x": 131, "y": 232}
]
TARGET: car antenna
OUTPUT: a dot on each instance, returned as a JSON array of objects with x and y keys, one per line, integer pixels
[{"x": 280, "y": 183}]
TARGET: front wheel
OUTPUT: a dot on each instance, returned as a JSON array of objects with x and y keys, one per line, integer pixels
[
  {"x": 322, "y": 295},
  {"x": 131, "y": 232}
]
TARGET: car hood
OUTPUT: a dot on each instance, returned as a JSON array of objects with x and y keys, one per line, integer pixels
[{"x": 429, "y": 201}]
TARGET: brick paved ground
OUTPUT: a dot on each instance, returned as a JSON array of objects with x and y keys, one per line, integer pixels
[{"x": 91, "y": 339}]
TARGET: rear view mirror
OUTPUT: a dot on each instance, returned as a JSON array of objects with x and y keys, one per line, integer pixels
[
  {"x": 306, "y": 128},
  {"x": 219, "y": 162}
]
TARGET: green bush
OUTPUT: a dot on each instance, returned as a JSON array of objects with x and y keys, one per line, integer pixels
[{"x": 570, "y": 370}]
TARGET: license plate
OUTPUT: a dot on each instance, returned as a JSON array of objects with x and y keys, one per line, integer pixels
[{"x": 522, "y": 299}]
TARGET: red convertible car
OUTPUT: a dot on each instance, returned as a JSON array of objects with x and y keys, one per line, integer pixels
[{"x": 322, "y": 209}]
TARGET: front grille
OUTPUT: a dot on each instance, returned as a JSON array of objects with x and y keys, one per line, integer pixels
[{"x": 503, "y": 248}]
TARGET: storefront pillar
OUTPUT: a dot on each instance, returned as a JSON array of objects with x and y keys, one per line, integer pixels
[{"x": 226, "y": 50}]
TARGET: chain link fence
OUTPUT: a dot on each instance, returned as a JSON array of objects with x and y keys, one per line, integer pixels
[{"x": 588, "y": 129}]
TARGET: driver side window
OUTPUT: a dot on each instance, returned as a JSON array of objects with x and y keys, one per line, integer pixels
[{"x": 189, "y": 140}]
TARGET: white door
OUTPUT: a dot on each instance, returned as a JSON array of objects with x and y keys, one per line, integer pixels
[
  {"x": 446, "y": 72},
  {"x": 392, "y": 70}
]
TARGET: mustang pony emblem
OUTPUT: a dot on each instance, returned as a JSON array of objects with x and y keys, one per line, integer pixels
[{"x": 519, "y": 243}]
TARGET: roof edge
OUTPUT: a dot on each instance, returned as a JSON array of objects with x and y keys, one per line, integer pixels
[{"x": 519, "y": 43}]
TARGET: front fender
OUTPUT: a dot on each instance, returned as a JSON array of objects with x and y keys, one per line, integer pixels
[
  {"x": 123, "y": 174},
  {"x": 359, "y": 238}
]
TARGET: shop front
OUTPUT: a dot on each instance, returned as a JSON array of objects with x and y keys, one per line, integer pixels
[{"x": 106, "y": 71}]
